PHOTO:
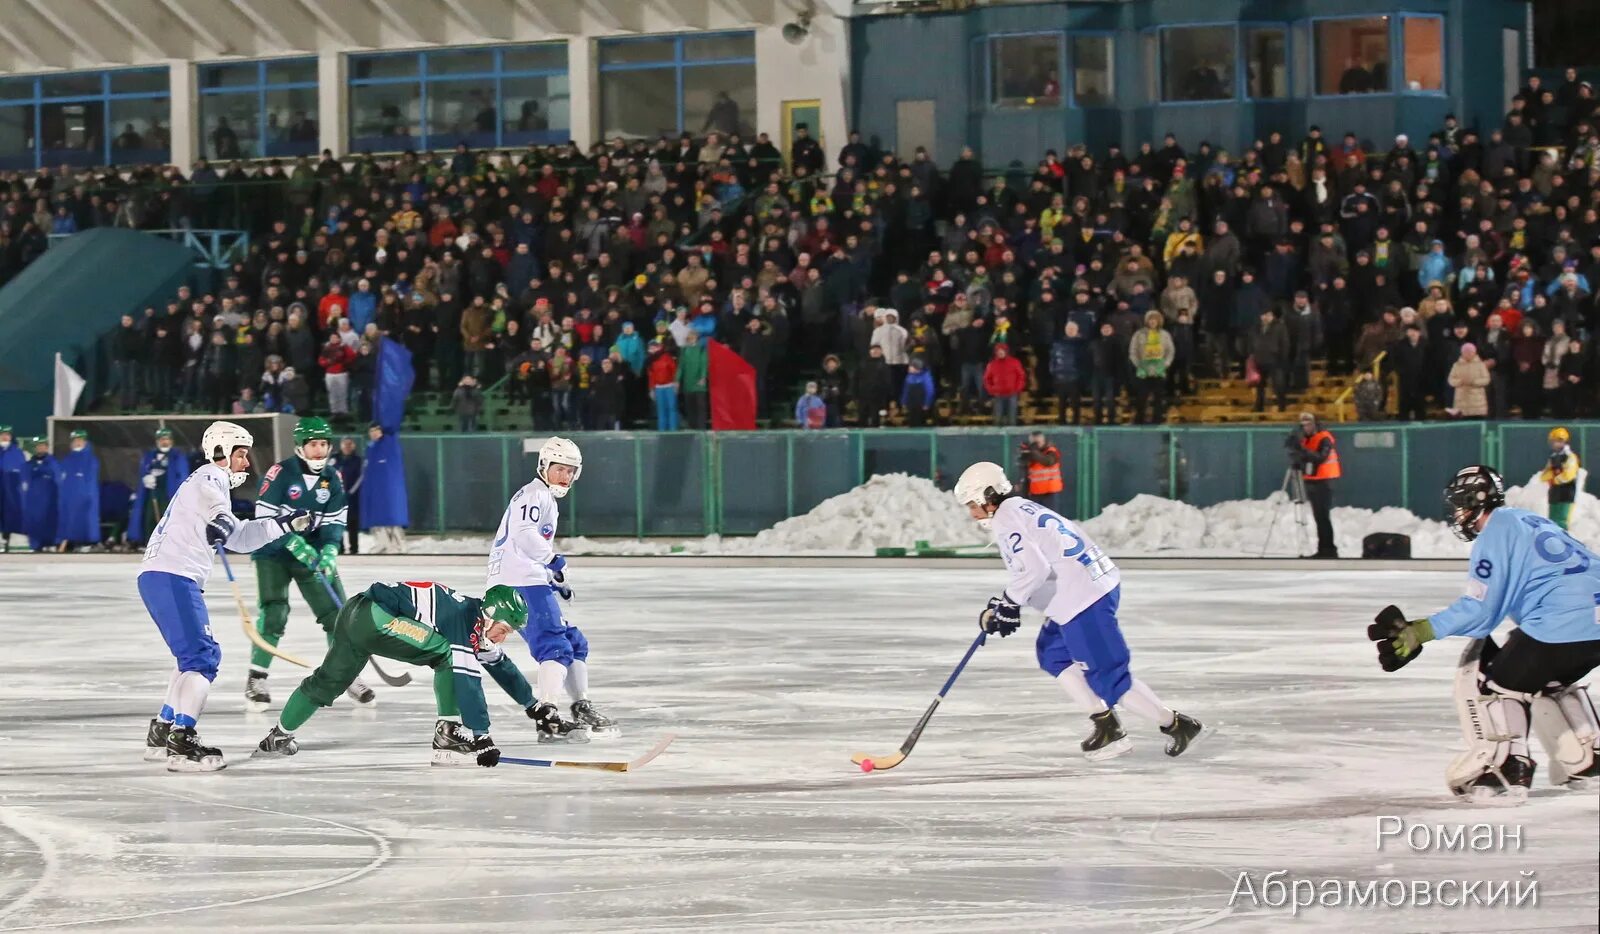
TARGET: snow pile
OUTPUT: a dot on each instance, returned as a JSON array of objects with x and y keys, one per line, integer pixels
[
  {"x": 1585, "y": 524},
  {"x": 889, "y": 510}
]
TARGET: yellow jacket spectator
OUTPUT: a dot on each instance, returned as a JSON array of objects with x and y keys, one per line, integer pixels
[{"x": 1561, "y": 476}]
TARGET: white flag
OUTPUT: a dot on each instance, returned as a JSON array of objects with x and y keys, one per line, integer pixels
[{"x": 69, "y": 386}]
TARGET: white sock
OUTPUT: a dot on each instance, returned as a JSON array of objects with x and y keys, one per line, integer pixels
[
  {"x": 1076, "y": 686},
  {"x": 551, "y": 677},
  {"x": 191, "y": 688},
  {"x": 577, "y": 679},
  {"x": 171, "y": 701},
  {"x": 1144, "y": 702}
]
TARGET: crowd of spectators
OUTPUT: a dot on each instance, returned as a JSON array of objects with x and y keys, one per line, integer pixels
[{"x": 1104, "y": 282}]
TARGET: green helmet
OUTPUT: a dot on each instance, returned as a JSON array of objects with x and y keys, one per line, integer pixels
[
  {"x": 502, "y": 604},
  {"x": 312, "y": 428},
  {"x": 79, "y": 435},
  {"x": 163, "y": 433}
]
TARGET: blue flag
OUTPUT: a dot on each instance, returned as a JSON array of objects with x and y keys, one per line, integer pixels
[{"x": 391, "y": 386}]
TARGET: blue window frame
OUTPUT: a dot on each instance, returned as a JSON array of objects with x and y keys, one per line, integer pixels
[
  {"x": 85, "y": 118},
  {"x": 1021, "y": 70},
  {"x": 1092, "y": 69},
  {"x": 1265, "y": 54},
  {"x": 256, "y": 109},
  {"x": 668, "y": 84},
  {"x": 1424, "y": 54},
  {"x": 1352, "y": 55},
  {"x": 1196, "y": 63},
  {"x": 484, "y": 96}
]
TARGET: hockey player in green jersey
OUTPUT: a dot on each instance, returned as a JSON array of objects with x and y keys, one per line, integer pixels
[
  {"x": 309, "y": 482},
  {"x": 420, "y": 623}
]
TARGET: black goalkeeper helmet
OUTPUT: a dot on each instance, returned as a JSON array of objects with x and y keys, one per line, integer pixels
[{"x": 1474, "y": 492}]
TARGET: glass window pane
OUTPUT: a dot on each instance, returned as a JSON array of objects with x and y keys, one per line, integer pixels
[
  {"x": 1092, "y": 84},
  {"x": 292, "y": 71},
  {"x": 639, "y": 104},
  {"x": 1197, "y": 63},
  {"x": 711, "y": 48},
  {"x": 16, "y": 137},
  {"x": 73, "y": 134},
  {"x": 231, "y": 125},
  {"x": 140, "y": 131},
  {"x": 721, "y": 98},
  {"x": 1267, "y": 61},
  {"x": 630, "y": 53},
  {"x": 1353, "y": 55},
  {"x": 75, "y": 85},
  {"x": 292, "y": 122},
  {"x": 383, "y": 66},
  {"x": 460, "y": 62},
  {"x": 1424, "y": 45},
  {"x": 228, "y": 76},
  {"x": 1027, "y": 71},
  {"x": 385, "y": 117},
  {"x": 13, "y": 89},
  {"x": 461, "y": 111},
  {"x": 142, "y": 81},
  {"x": 549, "y": 56},
  {"x": 535, "y": 110}
]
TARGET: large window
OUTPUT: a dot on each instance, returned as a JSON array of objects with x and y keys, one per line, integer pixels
[
  {"x": 1422, "y": 39},
  {"x": 1352, "y": 55},
  {"x": 1092, "y": 64},
  {"x": 1267, "y": 61},
  {"x": 1024, "y": 71},
  {"x": 484, "y": 97},
  {"x": 253, "y": 109},
  {"x": 1198, "y": 63},
  {"x": 664, "y": 85},
  {"x": 85, "y": 119}
]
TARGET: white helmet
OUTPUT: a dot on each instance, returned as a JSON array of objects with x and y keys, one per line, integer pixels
[
  {"x": 559, "y": 451},
  {"x": 219, "y": 443},
  {"x": 979, "y": 483}
]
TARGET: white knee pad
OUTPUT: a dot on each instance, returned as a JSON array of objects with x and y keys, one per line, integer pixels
[
  {"x": 1568, "y": 729},
  {"x": 1494, "y": 724}
]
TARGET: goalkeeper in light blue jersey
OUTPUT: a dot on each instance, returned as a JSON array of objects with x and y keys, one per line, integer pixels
[{"x": 1529, "y": 570}]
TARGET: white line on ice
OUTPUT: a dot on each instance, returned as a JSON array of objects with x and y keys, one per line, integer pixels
[{"x": 47, "y": 855}]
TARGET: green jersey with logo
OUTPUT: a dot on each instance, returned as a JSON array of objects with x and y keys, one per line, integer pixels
[{"x": 289, "y": 487}]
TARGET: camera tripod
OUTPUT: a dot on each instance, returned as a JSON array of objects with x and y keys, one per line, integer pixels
[{"x": 1294, "y": 486}]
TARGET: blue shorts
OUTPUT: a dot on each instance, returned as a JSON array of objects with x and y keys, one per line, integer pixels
[
  {"x": 1093, "y": 638},
  {"x": 549, "y": 637},
  {"x": 180, "y": 613}
]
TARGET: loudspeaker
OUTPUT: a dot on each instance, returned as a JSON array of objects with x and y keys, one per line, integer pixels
[{"x": 1386, "y": 545}]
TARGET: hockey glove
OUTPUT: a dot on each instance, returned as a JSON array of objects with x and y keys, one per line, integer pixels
[
  {"x": 1399, "y": 640},
  {"x": 488, "y": 753},
  {"x": 149, "y": 481},
  {"x": 562, "y": 589},
  {"x": 300, "y": 550},
  {"x": 300, "y": 521},
  {"x": 558, "y": 569},
  {"x": 1001, "y": 617},
  {"x": 327, "y": 563}
]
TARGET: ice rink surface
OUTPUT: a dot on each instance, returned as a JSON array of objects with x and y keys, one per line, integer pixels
[{"x": 755, "y": 819}]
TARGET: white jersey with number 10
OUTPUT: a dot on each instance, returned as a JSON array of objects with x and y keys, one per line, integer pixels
[
  {"x": 525, "y": 541},
  {"x": 1055, "y": 567}
]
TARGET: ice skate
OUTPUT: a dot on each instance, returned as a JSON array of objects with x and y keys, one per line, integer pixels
[
  {"x": 186, "y": 754},
  {"x": 155, "y": 741},
  {"x": 452, "y": 744},
  {"x": 360, "y": 693},
  {"x": 1182, "y": 732},
  {"x": 1108, "y": 740},
  {"x": 600, "y": 726},
  {"x": 276, "y": 743},
  {"x": 1488, "y": 789},
  {"x": 1586, "y": 780},
  {"x": 256, "y": 698},
  {"x": 552, "y": 729}
]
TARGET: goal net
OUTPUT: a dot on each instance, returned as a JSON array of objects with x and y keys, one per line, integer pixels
[{"x": 121, "y": 440}]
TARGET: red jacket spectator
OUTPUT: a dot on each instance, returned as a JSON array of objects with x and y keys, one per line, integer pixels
[
  {"x": 443, "y": 231},
  {"x": 1004, "y": 376},
  {"x": 662, "y": 370},
  {"x": 333, "y": 305},
  {"x": 335, "y": 356}
]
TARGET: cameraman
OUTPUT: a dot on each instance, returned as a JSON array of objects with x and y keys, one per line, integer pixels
[
  {"x": 1043, "y": 462},
  {"x": 1312, "y": 452}
]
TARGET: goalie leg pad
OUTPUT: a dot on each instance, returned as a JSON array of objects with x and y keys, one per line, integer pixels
[
  {"x": 1495, "y": 727},
  {"x": 1569, "y": 730}
]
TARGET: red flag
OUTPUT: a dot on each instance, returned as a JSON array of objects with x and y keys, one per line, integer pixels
[{"x": 733, "y": 390}]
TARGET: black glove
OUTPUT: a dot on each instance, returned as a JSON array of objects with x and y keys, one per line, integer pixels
[
  {"x": 300, "y": 521},
  {"x": 563, "y": 590},
  {"x": 488, "y": 753},
  {"x": 1001, "y": 617},
  {"x": 1399, "y": 640}
]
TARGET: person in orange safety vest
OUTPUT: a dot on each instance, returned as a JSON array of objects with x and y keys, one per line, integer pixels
[
  {"x": 1312, "y": 449},
  {"x": 1043, "y": 463}
]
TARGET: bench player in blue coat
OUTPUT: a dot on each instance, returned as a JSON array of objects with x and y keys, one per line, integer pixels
[{"x": 1527, "y": 569}]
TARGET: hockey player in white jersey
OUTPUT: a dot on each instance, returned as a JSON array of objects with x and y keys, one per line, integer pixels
[
  {"x": 1057, "y": 569},
  {"x": 524, "y": 556},
  {"x": 177, "y": 563}
]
